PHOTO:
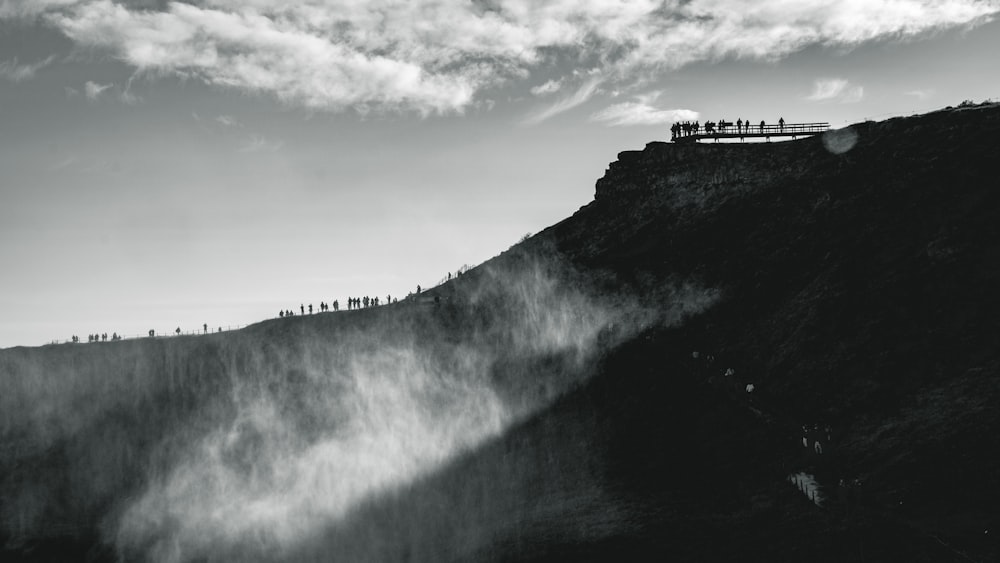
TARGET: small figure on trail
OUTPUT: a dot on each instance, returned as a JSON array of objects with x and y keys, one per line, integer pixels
[
  {"x": 336, "y": 305},
  {"x": 696, "y": 127},
  {"x": 178, "y": 331},
  {"x": 781, "y": 123},
  {"x": 761, "y": 125},
  {"x": 449, "y": 276},
  {"x": 418, "y": 289},
  {"x": 205, "y": 327},
  {"x": 302, "y": 308},
  {"x": 310, "y": 308},
  {"x": 388, "y": 299},
  {"x": 115, "y": 337},
  {"x": 365, "y": 301},
  {"x": 281, "y": 314},
  {"x": 151, "y": 332},
  {"x": 739, "y": 125}
]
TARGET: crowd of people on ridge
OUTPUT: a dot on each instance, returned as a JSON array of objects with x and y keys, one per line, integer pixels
[
  {"x": 353, "y": 303},
  {"x": 687, "y": 128},
  {"x": 98, "y": 337}
]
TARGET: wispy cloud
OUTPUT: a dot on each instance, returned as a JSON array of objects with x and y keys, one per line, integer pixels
[
  {"x": 15, "y": 72},
  {"x": 582, "y": 94},
  {"x": 836, "y": 89},
  {"x": 920, "y": 94},
  {"x": 94, "y": 90},
  {"x": 430, "y": 56},
  {"x": 258, "y": 143},
  {"x": 639, "y": 113},
  {"x": 227, "y": 121},
  {"x": 549, "y": 87}
]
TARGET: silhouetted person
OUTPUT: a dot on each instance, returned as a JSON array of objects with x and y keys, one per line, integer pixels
[
  {"x": 310, "y": 308},
  {"x": 115, "y": 336},
  {"x": 302, "y": 308},
  {"x": 781, "y": 123},
  {"x": 418, "y": 289},
  {"x": 205, "y": 326},
  {"x": 281, "y": 314},
  {"x": 761, "y": 125},
  {"x": 739, "y": 125},
  {"x": 388, "y": 299},
  {"x": 151, "y": 332},
  {"x": 178, "y": 331},
  {"x": 336, "y": 305}
]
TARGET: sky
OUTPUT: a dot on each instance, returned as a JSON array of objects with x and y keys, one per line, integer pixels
[{"x": 172, "y": 164}]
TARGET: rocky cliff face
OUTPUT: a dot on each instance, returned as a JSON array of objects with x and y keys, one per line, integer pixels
[{"x": 697, "y": 173}]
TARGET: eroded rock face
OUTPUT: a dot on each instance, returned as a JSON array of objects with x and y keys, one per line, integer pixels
[{"x": 699, "y": 174}]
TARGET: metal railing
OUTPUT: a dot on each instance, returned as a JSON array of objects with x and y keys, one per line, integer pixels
[{"x": 727, "y": 130}]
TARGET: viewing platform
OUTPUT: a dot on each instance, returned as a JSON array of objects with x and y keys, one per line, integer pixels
[{"x": 729, "y": 130}]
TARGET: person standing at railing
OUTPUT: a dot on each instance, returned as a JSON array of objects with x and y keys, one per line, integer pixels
[
  {"x": 761, "y": 125},
  {"x": 781, "y": 124},
  {"x": 739, "y": 125}
]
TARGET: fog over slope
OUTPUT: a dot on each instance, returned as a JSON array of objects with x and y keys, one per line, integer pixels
[{"x": 183, "y": 447}]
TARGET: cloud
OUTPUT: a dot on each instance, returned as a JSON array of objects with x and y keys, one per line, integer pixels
[
  {"x": 582, "y": 94},
  {"x": 15, "y": 72},
  {"x": 920, "y": 94},
  {"x": 94, "y": 90},
  {"x": 430, "y": 57},
  {"x": 835, "y": 89},
  {"x": 258, "y": 143},
  {"x": 639, "y": 113},
  {"x": 549, "y": 87},
  {"x": 228, "y": 121}
]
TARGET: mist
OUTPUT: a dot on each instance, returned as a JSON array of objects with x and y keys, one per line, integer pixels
[{"x": 255, "y": 444}]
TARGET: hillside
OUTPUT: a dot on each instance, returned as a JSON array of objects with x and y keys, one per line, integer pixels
[{"x": 569, "y": 399}]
